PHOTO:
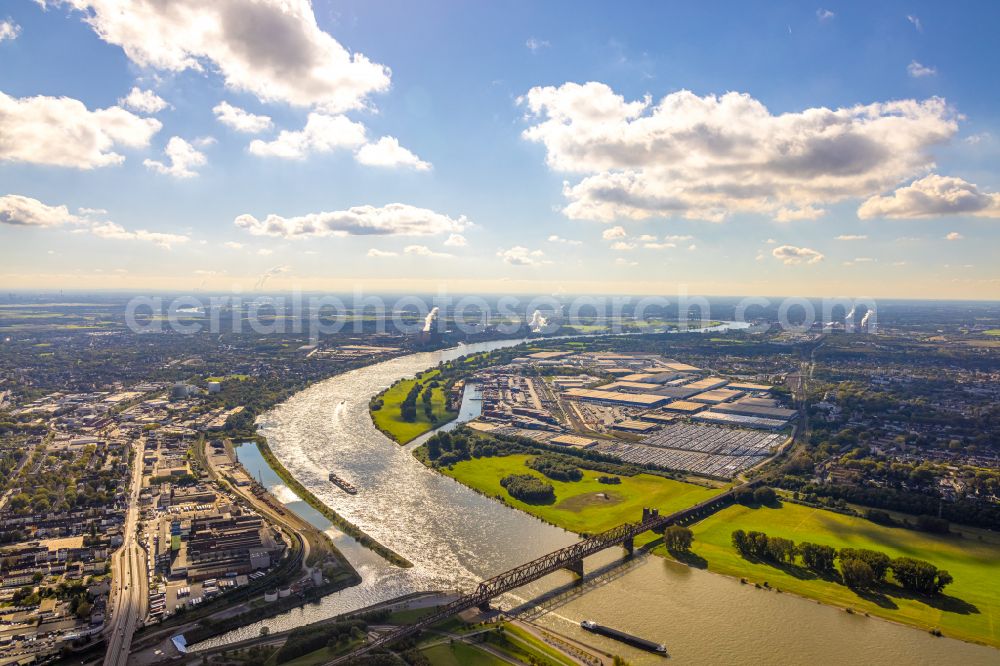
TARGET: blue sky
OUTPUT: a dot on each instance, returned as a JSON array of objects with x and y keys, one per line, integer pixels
[{"x": 438, "y": 156}]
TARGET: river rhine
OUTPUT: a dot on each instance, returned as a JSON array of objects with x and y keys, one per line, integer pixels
[{"x": 456, "y": 537}]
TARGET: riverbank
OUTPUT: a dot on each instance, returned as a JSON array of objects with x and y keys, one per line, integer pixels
[
  {"x": 339, "y": 521},
  {"x": 969, "y": 608}
]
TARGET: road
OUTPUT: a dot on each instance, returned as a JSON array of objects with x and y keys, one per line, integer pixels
[{"x": 130, "y": 578}]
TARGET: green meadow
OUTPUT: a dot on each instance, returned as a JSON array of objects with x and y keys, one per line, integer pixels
[
  {"x": 585, "y": 506},
  {"x": 969, "y": 608},
  {"x": 389, "y": 420}
]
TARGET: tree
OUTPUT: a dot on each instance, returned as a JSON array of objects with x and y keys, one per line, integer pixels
[
  {"x": 765, "y": 496},
  {"x": 741, "y": 543},
  {"x": 817, "y": 557},
  {"x": 678, "y": 538},
  {"x": 879, "y": 562},
  {"x": 919, "y": 576},
  {"x": 780, "y": 550},
  {"x": 743, "y": 495},
  {"x": 857, "y": 574}
]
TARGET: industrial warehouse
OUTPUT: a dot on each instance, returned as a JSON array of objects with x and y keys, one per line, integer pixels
[{"x": 640, "y": 408}]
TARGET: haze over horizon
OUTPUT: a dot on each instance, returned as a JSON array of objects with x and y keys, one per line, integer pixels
[{"x": 769, "y": 149}]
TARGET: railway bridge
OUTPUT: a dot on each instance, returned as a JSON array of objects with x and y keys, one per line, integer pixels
[{"x": 571, "y": 557}]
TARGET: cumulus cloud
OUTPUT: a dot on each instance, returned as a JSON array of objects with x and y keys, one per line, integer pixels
[
  {"x": 9, "y": 30},
  {"x": 933, "y": 196},
  {"x": 653, "y": 245},
  {"x": 377, "y": 254},
  {"x": 61, "y": 131},
  {"x": 795, "y": 214},
  {"x": 791, "y": 255},
  {"x": 322, "y": 134},
  {"x": 24, "y": 211},
  {"x": 424, "y": 251},
  {"x": 233, "y": 245},
  {"x": 622, "y": 246},
  {"x": 954, "y": 236},
  {"x": 620, "y": 261},
  {"x": 613, "y": 233},
  {"x": 522, "y": 256},
  {"x": 852, "y": 237},
  {"x": 117, "y": 232},
  {"x": 710, "y": 157},
  {"x": 273, "y": 49},
  {"x": 456, "y": 240},
  {"x": 183, "y": 157},
  {"x": 916, "y": 70},
  {"x": 390, "y": 220},
  {"x": 143, "y": 101},
  {"x": 17, "y": 210},
  {"x": 565, "y": 241},
  {"x": 386, "y": 152},
  {"x": 824, "y": 14},
  {"x": 240, "y": 120}
]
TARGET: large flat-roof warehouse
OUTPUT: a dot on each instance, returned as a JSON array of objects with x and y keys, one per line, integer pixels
[{"x": 615, "y": 398}]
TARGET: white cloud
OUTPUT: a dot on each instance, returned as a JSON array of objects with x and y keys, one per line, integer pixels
[
  {"x": 143, "y": 101},
  {"x": 424, "y": 251},
  {"x": 621, "y": 261},
  {"x": 954, "y": 236},
  {"x": 678, "y": 239},
  {"x": 613, "y": 233},
  {"x": 386, "y": 152},
  {"x": 976, "y": 139},
  {"x": 9, "y": 30},
  {"x": 240, "y": 120},
  {"x": 535, "y": 45},
  {"x": 916, "y": 22},
  {"x": 61, "y": 131},
  {"x": 321, "y": 134},
  {"x": 265, "y": 252},
  {"x": 184, "y": 159},
  {"x": 17, "y": 210},
  {"x": 565, "y": 241},
  {"x": 796, "y": 214},
  {"x": 622, "y": 246},
  {"x": 824, "y": 14},
  {"x": 933, "y": 196},
  {"x": 659, "y": 246},
  {"x": 916, "y": 70},
  {"x": 271, "y": 48},
  {"x": 710, "y": 157},
  {"x": 233, "y": 245},
  {"x": 791, "y": 255},
  {"x": 456, "y": 240},
  {"x": 852, "y": 237},
  {"x": 522, "y": 256},
  {"x": 113, "y": 231},
  {"x": 375, "y": 253},
  {"x": 390, "y": 220}
]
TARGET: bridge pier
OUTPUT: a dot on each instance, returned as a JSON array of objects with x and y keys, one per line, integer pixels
[
  {"x": 576, "y": 567},
  {"x": 629, "y": 546},
  {"x": 485, "y": 607}
]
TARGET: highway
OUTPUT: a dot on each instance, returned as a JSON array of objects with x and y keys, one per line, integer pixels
[{"x": 130, "y": 578}]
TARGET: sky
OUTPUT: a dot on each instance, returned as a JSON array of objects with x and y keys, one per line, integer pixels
[{"x": 753, "y": 148}]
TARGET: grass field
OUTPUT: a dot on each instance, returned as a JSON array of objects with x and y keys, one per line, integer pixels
[
  {"x": 578, "y": 506},
  {"x": 969, "y": 609},
  {"x": 389, "y": 420},
  {"x": 993, "y": 331},
  {"x": 460, "y": 654}
]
